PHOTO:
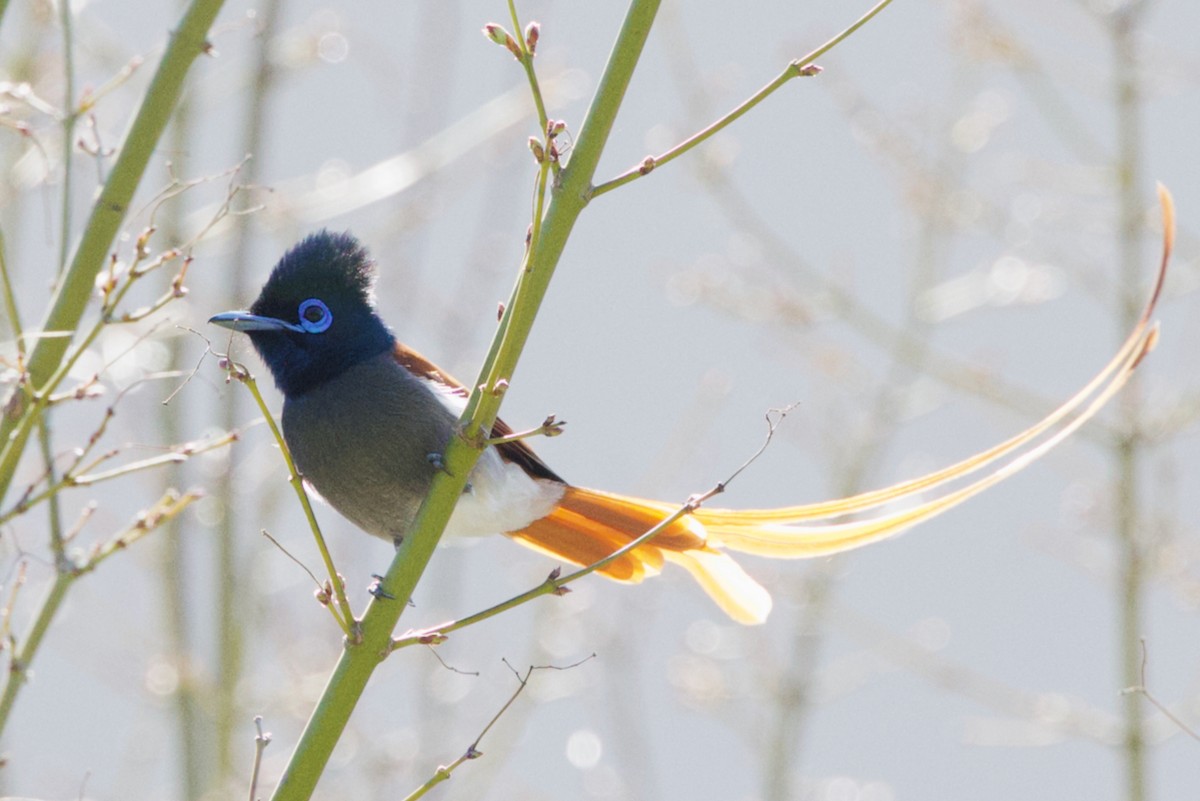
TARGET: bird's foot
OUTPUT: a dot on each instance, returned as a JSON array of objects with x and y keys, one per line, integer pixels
[
  {"x": 376, "y": 590},
  {"x": 438, "y": 463}
]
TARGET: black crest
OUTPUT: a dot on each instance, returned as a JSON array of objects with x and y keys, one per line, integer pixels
[{"x": 325, "y": 265}]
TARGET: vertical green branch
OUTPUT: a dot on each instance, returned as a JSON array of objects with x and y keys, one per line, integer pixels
[
  {"x": 8, "y": 291},
  {"x": 19, "y": 663},
  {"x": 357, "y": 662},
  {"x": 176, "y": 576},
  {"x": 1128, "y": 449},
  {"x": 571, "y": 192},
  {"x": 230, "y": 572},
  {"x": 44, "y": 431},
  {"x": 70, "y": 116}
]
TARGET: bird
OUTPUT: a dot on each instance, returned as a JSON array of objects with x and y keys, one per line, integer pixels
[{"x": 366, "y": 416}]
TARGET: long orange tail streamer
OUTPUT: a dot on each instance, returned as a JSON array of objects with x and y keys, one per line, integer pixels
[{"x": 589, "y": 525}]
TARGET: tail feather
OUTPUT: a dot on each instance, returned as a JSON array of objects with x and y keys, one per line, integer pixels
[
  {"x": 567, "y": 534},
  {"x": 738, "y": 595},
  {"x": 589, "y": 525}
]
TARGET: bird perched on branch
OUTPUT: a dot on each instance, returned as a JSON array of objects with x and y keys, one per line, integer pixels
[{"x": 365, "y": 418}]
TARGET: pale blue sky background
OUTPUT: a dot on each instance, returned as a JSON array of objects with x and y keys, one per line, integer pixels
[{"x": 961, "y": 147}]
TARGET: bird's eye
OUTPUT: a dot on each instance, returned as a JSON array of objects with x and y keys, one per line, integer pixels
[{"x": 315, "y": 316}]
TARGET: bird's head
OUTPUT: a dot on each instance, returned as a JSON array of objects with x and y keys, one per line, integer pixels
[{"x": 315, "y": 316}]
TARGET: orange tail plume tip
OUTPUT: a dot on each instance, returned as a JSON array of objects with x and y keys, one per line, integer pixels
[
  {"x": 1151, "y": 342},
  {"x": 1167, "y": 204},
  {"x": 589, "y": 525}
]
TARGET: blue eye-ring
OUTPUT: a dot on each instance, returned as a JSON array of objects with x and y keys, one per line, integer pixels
[{"x": 315, "y": 316}]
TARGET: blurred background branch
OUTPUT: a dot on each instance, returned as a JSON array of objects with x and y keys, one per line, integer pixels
[{"x": 924, "y": 246}]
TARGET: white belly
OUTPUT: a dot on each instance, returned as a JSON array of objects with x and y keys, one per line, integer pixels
[{"x": 501, "y": 497}]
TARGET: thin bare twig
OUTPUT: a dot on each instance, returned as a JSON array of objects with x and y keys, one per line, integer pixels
[
  {"x": 293, "y": 557},
  {"x": 261, "y": 741},
  {"x": 1142, "y": 690},
  {"x": 550, "y": 427},
  {"x": 443, "y": 771},
  {"x": 429, "y": 647},
  {"x": 799, "y": 68},
  {"x": 341, "y": 611},
  {"x": 774, "y": 418}
]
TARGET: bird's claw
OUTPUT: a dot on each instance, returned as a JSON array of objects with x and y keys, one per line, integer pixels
[
  {"x": 376, "y": 589},
  {"x": 438, "y": 463}
]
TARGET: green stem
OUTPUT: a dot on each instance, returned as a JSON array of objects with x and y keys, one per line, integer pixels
[
  {"x": 357, "y": 662},
  {"x": 232, "y": 570},
  {"x": 539, "y": 206},
  {"x": 176, "y": 578},
  {"x": 800, "y": 68},
  {"x": 54, "y": 508},
  {"x": 108, "y": 213},
  {"x": 550, "y": 586},
  {"x": 571, "y": 193},
  {"x": 10, "y": 301},
  {"x": 440, "y": 775},
  {"x": 343, "y": 614},
  {"x": 70, "y": 116},
  {"x": 1129, "y": 517},
  {"x": 526, "y": 60},
  {"x": 19, "y": 664},
  {"x": 66, "y": 572}
]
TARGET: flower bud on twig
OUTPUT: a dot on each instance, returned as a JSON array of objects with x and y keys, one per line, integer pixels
[
  {"x": 502, "y": 37},
  {"x": 535, "y": 147}
]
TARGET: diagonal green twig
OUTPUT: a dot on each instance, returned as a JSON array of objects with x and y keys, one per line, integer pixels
[
  {"x": 188, "y": 41},
  {"x": 356, "y": 663},
  {"x": 800, "y": 68}
]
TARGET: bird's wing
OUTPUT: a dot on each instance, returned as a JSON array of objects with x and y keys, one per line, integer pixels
[{"x": 515, "y": 451}]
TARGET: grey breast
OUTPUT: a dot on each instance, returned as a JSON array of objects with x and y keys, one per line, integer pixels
[{"x": 363, "y": 440}]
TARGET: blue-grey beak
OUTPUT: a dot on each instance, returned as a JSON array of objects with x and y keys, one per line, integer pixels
[{"x": 245, "y": 321}]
